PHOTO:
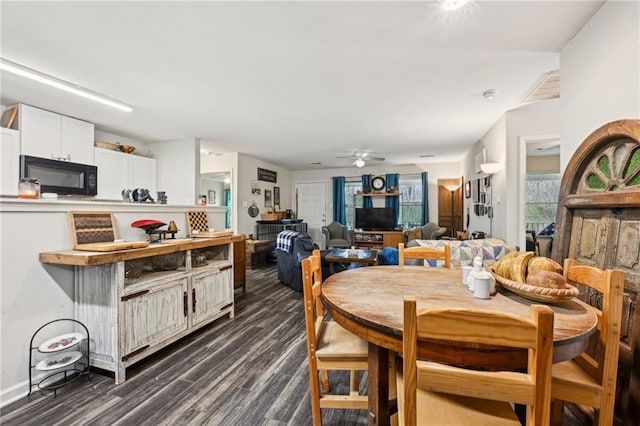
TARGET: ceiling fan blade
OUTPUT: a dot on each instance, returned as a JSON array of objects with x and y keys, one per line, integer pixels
[{"x": 376, "y": 158}]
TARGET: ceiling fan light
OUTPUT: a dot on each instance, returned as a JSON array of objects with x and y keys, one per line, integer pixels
[{"x": 359, "y": 162}]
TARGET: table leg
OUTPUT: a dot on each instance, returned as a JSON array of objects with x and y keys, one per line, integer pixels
[{"x": 378, "y": 386}]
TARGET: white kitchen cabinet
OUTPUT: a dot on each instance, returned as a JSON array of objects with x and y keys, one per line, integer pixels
[
  {"x": 118, "y": 171},
  {"x": 49, "y": 135},
  {"x": 9, "y": 161}
]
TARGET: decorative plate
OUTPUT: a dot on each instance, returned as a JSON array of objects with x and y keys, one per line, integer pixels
[
  {"x": 253, "y": 210},
  {"x": 538, "y": 294},
  {"x": 378, "y": 183},
  {"x": 61, "y": 342},
  {"x": 58, "y": 361}
]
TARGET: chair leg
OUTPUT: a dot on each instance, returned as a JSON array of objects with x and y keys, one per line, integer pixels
[
  {"x": 354, "y": 383},
  {"x": 325, "y": 380},
  {"x": 314, "y": 391},
  {"x": 557, "y": 412},
  {"x": 393, "y": 387}
]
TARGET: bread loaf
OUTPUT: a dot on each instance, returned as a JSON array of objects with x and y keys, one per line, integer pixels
[
  {"x": 546, "y": 279},
  {"x": 502, "y": 266},
  {"x": 541, "y": 263},
  {"x": 519, "y": 266}
]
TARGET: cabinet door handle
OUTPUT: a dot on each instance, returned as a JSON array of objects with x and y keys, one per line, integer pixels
[
  {"x": 133, "y": 295},
  {"x": 224, "y": 268},
  {"x": 193, "y": 300},
  {"x": 185, "y": 304}
]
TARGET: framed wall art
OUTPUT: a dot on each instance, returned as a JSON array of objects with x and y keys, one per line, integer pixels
[
  {"x": 467, "y": 189},
  {"x": 267, "y": 198},
  {"x": 276, "y": 196}
]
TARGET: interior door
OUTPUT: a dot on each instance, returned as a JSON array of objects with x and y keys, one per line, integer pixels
[{"x": 311, "y": 202}]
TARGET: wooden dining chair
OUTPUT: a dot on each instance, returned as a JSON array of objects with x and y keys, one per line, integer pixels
[
  {"x": 434, "y": 393},
  {"x": 590, "y": 379},
  {"x": 424, "y": 253},
  {"x": 329, "y": 347}
]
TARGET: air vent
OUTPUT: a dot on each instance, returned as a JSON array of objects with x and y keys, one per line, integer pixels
[{"x": 547, "y": 87}]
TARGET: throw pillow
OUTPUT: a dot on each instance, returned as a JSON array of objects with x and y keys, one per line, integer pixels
[{"x": 414, "y": 234}]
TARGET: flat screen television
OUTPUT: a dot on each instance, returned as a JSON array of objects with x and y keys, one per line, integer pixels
[{"x": 375, "y": 219}]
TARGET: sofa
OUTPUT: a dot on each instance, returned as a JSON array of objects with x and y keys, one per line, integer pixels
[
  {"x": 463, "y": 252},
  {"x": 429, "y": 231},
  {"x": 291, "y": 248}
]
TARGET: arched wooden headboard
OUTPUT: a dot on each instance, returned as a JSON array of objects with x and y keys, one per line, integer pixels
[{"x": 598, "y": 223}]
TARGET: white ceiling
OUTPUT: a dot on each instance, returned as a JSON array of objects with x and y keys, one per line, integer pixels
[{"x": 291, "y": 83}]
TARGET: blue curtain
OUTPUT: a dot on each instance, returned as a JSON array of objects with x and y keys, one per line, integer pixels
[
  {"x": 339, "y": 207},
  {"x": 366, "y": 181},
  {"x": 425, "y": 197},
  {"x": 393, "y": 181},
  {"x": 227, "y": 202}
]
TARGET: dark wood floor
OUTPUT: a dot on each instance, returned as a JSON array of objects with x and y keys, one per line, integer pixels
[{"x": 251, "y": 370}]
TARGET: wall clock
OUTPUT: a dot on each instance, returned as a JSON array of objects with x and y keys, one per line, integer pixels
[{"x": 378, "y": 183}]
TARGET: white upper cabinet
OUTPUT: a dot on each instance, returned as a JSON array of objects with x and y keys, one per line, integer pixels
[
  {"x": 118, "y": 171},
  {"x": 9, "y": 161},
  {"x": 49, "y": 135}
]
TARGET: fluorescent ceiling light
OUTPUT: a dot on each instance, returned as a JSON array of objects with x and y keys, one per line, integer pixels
[{"x": 32, "y": 74}]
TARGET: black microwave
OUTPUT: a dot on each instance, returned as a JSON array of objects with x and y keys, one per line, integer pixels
[{"x": 60, "y": 177}]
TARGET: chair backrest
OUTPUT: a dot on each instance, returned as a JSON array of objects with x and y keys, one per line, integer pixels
[
  {"x": 610, "y": 283},
  {"x": 532, "y": 388},
  {"x": 336, "y": 230},
  {"x": 313, "y": 305},
  {"x": 424, "y": 253}
]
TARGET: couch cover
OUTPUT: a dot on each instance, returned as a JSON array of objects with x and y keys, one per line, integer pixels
[
  {"x": 463, "y": 252},
  {"x": 291, "y": 248}
]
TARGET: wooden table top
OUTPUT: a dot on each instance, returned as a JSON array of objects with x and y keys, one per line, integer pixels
[
  {"x": 368, "y": 302},
  {"x": 90, "y": 258},
  {"x": 352, "y": 255}
]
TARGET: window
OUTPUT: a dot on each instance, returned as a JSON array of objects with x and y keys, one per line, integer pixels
[
  {"x": 410, "y": 201},
  {"x": 542, "y": 190},
  {"x": 351, "y": 188}
]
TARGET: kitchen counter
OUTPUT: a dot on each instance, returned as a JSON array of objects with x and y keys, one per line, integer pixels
[{"x": 86, "y": 258}]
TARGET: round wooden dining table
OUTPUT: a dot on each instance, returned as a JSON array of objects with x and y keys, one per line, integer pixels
[{"x": 368, "y": 302}]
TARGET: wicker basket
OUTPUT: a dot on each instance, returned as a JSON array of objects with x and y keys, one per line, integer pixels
[
  {"x": 273, "y": 216},
  {"x": 107, "y": 145}
]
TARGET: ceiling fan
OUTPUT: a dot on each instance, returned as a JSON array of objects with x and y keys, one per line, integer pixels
[{"x": 359, "y": 158}]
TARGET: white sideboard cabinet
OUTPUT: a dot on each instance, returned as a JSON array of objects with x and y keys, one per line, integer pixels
[
  {"x": 47, "y": 134},
  {"x": 118, "y": 171},
  {"x": 136, "y": 302}
]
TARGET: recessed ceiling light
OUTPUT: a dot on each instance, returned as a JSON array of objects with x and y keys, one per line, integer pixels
[{"x": 451, "y": 5}]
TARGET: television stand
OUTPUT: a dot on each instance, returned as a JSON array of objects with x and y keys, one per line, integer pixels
[{"x": 376, "y": 239}]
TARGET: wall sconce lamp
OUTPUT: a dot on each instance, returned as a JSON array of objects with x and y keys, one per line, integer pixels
[{"x": 491, "y": 168}]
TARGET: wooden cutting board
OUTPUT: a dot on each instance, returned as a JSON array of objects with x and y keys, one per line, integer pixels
[
  {"x": 215, "y": 234},
  {"x": 111, "y": 246}
]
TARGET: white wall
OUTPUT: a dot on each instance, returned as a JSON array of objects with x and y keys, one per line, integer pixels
[
  {"x": 600, "y": 74},
  {"x": 248, "y": 172},
  {"x": 142, "y": 148}
]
